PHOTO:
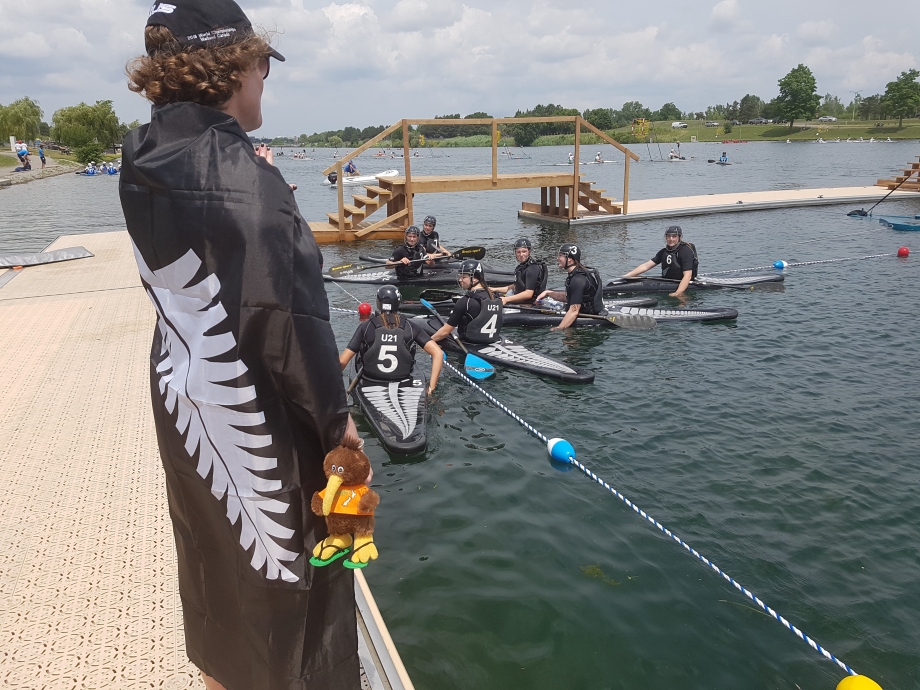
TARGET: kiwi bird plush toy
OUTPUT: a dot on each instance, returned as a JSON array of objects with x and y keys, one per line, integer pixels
[{"x": 348, "y": 506}]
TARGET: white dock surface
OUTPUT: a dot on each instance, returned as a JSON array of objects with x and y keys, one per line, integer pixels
[{"x": 88, "y": 589}]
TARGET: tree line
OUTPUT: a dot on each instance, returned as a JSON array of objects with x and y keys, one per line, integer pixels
[{"x": 87, "y": 129}]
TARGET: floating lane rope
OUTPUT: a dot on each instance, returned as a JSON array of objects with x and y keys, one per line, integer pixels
[
  {"x": 902, "y": 252},
  {"x": 563, "y": 451}
]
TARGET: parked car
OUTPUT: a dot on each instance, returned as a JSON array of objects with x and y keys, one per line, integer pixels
[
  {"x": 735, "y": 122},
  {"x": 827, "y": 118},
  {"x": 758, "y": 121},
  {"x": 679, "y": 125},
  {"x": 711, "y": 123}
]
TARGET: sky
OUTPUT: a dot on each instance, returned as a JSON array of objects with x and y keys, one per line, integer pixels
[{"x": 374, "y": 62}]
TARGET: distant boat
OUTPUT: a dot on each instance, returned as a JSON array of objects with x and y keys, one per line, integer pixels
[{"x": 358, "y": 179}]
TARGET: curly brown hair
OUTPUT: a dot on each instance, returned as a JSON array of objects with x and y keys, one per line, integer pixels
[{"x": 210, "y": 75}]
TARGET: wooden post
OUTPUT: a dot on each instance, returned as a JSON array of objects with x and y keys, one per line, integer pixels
[
  {"x": 626, "y": 186},
  {"x": 408, "y": 171},
  {"x": 544, "y": 205},
  {"x": 494, "y": 153},
  {"x": 573, "y": 212},
  {"x": 341, "y": 194}
]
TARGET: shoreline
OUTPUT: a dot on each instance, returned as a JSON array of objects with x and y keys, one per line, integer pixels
[{"x": 53, "y": 168}]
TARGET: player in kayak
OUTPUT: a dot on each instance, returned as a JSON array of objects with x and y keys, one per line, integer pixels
[
  {"x": 678, "y": 260},
  {"x": 529, "y": 276},
  {"x": 584, "y": 292},
  {"x": 478, "y": 314}
]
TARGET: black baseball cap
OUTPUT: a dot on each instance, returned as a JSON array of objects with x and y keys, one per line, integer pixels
[{"x": 201, "y": 22}]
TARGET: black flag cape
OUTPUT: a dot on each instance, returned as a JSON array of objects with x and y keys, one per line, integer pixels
[{"x": 247, "y": 398}]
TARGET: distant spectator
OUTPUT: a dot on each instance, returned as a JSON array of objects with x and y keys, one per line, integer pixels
[{"x": 41, "y": 155}]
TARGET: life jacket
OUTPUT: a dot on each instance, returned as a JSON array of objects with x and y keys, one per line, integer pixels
[
  {"x": 412, "y": 270},
  {"x": 592, "y": 300},
  {"x": 389, "y": 358},
  {"x": 486, "y": 326},
  {"x": 669, "y": 267},
  {"x": 519, "y": 271},
  {"x": 430, "y": 242},
  {"x": 347, "y": 499}
]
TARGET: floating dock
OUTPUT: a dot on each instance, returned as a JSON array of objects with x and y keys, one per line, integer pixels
[
  {"x": 88, "y": 574},
  {"x": 675, "y": 207}
]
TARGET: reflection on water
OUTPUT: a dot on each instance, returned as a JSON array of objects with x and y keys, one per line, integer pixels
[{"x": 778, "y": 445}]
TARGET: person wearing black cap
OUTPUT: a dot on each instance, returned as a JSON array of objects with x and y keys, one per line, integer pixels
[
  {"x": 584, "y": 288},
  {"x": 245, "y": 382},
  {"x": 678, "y": 260}
]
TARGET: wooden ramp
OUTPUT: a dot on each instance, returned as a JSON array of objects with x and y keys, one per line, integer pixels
[
  {"x": 903, "y": 180},
  {"x": 563, "y": 195}
]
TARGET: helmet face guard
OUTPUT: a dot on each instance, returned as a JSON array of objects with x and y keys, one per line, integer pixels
[{"x": 471, "y": 268}]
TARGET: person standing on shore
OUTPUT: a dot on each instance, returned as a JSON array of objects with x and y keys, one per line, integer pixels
[
  {"x": 245, "y": 383},
  {"x": 41, "y": 155}
]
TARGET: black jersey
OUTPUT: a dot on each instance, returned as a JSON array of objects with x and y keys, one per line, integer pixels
[
  {"x": 413, "y": 254},
  {"x": 583, "y": 286},
  {"x": 430, "y": 243},
  {"x": 530, "y": 275},
  {"x": 675, "y": 261},
  {"x": 387, "y": 353},
  {"x": 478, "y": 318}
]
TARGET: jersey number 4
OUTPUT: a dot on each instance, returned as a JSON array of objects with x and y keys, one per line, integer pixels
[{"x": 490, "y": 326}]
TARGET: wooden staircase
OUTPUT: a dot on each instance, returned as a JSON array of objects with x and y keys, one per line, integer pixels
[
  {"x": 904, "y": 179},
  {"x": 385, "y": 193},
  {"x": 555, "y": 202}
]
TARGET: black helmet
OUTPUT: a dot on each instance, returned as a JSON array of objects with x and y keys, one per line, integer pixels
[
  {"x": 472, "y": 268},
  {"x": 388, "y": 299},
  {"x": 674, "y": 230},
  {"x": 430, "y": 219},
  {"x": 412, "y": 230},
  {"x": 523, "y": 242},
  {"x": 570, "y": 250}
]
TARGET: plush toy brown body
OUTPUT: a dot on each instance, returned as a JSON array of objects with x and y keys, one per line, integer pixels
[{"x": 348, "y": 506}]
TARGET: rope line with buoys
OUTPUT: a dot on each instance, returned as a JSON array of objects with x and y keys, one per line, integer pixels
[
  {"x": 902, "y": 253},
  {"x": 562, "y": 451}
]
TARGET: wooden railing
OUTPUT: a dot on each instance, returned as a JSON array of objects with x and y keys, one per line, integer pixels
[{"x": 494, "y": 122}]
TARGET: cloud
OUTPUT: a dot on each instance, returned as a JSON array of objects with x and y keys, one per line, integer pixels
[
  {"x": 816, "y": 33},
  {"x": 725, "y": 13}
]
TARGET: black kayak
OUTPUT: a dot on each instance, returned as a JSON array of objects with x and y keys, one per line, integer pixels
[
  {"x": 446, "y": 306},
  {"x": 506, "y": 353},
  {"x": 431, "y": 277},
  {"x": 397, "y": 410},
  {"x": 627, "y": 287},
  {"x": 540, "y": 318}
]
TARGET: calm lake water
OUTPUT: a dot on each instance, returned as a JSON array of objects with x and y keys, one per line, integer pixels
[{"x": 779, "y": 446}]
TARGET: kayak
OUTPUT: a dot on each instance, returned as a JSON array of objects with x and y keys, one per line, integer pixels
[
  {"x": 359, "y": 179},
  {"x": 509, "y": 354},
  {"x": 523, "y": 317},
  {"x": 651, "y": 284},
  {"x": 447, "y": 305},
  {"x": 432, "y": 276},
  {"x": 397, "y": 411},
  {"x": 900, "y": 225}
]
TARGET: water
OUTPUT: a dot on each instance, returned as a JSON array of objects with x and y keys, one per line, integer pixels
[{"x": 778, "y": 446}]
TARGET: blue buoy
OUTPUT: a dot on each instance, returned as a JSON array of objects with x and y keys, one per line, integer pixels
[
  {"x": 780, "y": 264},
  {"x": 561, "y": 450}
]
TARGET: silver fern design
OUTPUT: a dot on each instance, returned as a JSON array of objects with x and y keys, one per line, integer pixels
[
  {"x": 397, "y": 403},
  {"x": 203, "y": 393}
]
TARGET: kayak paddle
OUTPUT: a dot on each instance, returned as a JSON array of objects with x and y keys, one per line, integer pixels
[
  {"x": 354, "y": 381},
  {"x": 475, "y": 367},
  {"x": 635, "y": 322},
  {"x": 465, "y": 253},
  {"x": 435, "y": 295}
]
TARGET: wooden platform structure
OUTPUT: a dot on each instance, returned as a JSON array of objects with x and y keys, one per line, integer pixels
[
  {"x": 904, "y": 180},
  {"x": 563, "y": 195}
]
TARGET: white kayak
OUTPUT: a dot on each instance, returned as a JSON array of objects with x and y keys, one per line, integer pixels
[{"x": 361, "y": 179}]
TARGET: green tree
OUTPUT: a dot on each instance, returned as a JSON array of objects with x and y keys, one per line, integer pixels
[
  {"x": 902, "y": 96},
  {"x": 798, "y": 95},
  {"x": 634, "y": 109},
  {"x": 335, "y": 141},
  {"x": 870, "y": 107},
  {"x": 831, "y": 105},
  {"x": 21, "y": 119},
  {"x": 668, "y": 111},
  {"x": 602, "y": 118},
  {"x": 78, "y": 125},
  {"x": 750, "y": 107}
]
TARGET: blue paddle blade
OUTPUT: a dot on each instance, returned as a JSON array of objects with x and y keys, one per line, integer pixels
[
  {"x": 427, "y": 304},
  {"x": 477, "y": 367}
]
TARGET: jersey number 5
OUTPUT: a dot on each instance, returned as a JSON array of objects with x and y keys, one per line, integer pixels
[{"x": 386, "y": 355}]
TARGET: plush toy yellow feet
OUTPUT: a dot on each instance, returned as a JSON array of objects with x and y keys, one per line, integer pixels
[
  {"x": 331, "y": 549},
  {"x": 365, "y": 551}
]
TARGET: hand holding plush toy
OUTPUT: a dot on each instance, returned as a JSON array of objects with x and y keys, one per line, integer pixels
[{"x": 348, "y": 506}]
